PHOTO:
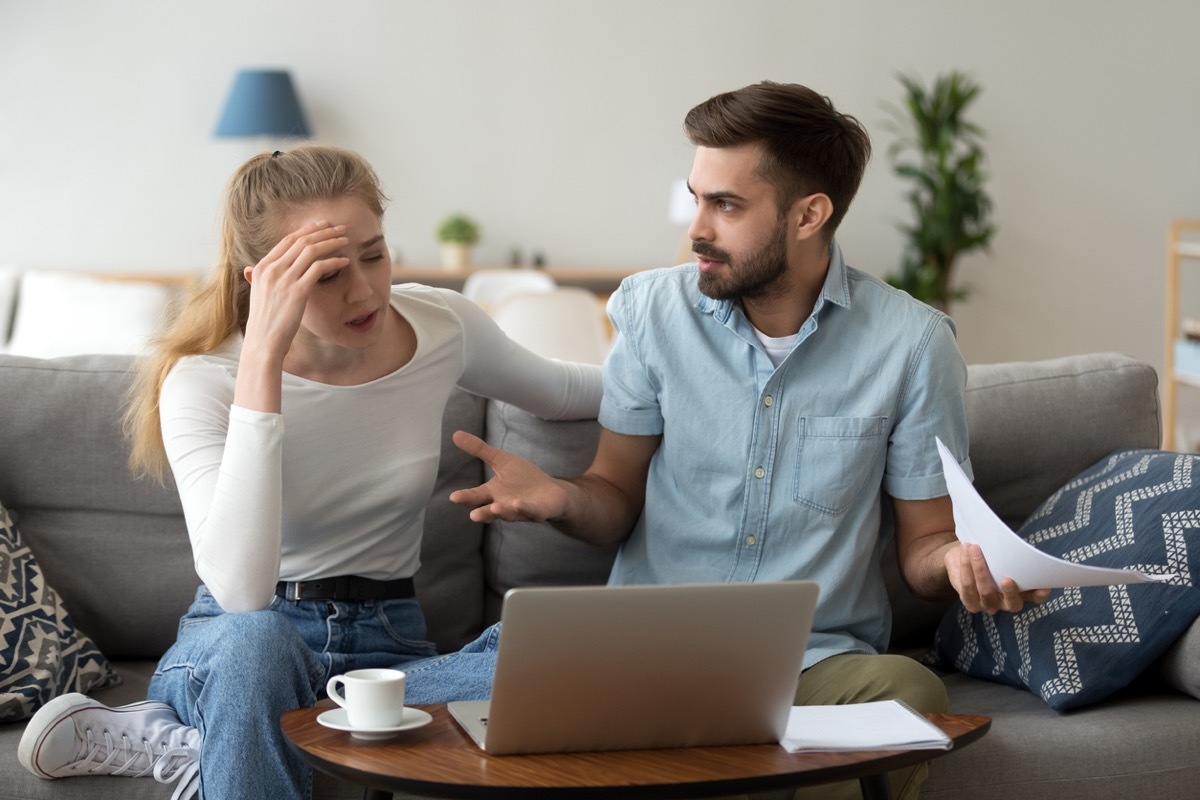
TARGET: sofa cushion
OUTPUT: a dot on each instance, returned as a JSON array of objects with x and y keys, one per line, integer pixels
[
  {"x": 42, "y": 654},
  {"x": 1136, "y": 745},
  {"x": 1035, "y": 424},
  {"x": 105, "y": 540},
  {"x": 450, "y": 580},
  {"x": 1180, "y": 665},
  {"x": 1135, "y": 509},
  {"x": 529, "y": 554}
]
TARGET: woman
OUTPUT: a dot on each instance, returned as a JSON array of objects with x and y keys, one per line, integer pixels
[{"x": 297, "y": 401}]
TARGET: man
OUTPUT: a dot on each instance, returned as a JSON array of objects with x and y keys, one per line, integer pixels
[{"x": 769, "y": 413}]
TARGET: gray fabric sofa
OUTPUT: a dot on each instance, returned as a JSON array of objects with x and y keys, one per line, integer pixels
[{"x": 117, "y": 552}]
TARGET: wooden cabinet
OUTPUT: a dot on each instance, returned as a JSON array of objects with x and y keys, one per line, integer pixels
[{"x": 1181, "y": 364}]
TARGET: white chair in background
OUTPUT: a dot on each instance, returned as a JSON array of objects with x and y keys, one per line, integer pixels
[
  {"x": 487, "y": 287},
  {"x": 566, "y": 323}
]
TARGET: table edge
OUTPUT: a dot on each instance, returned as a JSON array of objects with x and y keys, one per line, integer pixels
[{"x": 885, "y": 761}]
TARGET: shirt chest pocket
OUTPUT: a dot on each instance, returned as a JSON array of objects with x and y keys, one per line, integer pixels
[{"x": 834, "y": 458}]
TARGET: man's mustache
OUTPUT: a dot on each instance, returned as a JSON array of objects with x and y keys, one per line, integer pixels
[{"x": 708, "y": 251}]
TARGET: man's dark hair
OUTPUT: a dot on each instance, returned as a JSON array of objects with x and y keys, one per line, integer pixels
[{"x": 808, "y": 146}]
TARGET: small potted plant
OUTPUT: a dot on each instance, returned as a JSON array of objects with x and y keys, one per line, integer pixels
[{"x": 457, "y": 234}]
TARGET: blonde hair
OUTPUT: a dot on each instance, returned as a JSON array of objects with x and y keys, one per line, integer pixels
[{"x": 261, "y": 192}]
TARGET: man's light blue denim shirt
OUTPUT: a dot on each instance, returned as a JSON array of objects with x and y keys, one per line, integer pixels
[{"x": 768, "y": 474}]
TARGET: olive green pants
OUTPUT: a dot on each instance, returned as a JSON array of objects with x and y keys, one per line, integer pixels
[{"x": 856, "y": 678}]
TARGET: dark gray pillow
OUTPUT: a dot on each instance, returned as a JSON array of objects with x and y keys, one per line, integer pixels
[{"x": 1135, "y": 509}]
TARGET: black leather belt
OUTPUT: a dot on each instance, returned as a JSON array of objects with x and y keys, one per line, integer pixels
[{"x": 346, "y": 587}]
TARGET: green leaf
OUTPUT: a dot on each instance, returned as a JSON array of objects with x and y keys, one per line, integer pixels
[{"x": 938, "y": 152}]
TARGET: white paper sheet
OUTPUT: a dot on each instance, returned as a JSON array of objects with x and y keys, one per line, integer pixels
[
  {"x": 1010, "y": 556},
  {"x": 882, "y": 725}
]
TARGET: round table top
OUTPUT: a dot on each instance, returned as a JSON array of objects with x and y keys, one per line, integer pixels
[{"x": 440, "y": 760}]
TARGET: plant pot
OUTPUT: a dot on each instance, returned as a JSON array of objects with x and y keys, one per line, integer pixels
[{"x": 456, "y": 257}]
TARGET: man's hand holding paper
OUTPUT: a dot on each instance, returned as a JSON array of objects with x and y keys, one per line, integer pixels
[
  {"x": 991, "y": 555},
  {"x": 978, "y": 588}
]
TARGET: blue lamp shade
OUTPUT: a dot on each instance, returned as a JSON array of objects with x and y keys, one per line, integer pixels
[{"x": 263, "y": 103}]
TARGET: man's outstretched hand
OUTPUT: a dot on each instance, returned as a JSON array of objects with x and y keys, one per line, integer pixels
[{"x": 517, "y": 492}]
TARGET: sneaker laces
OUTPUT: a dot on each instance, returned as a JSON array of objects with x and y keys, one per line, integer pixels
[
  {"x": 108, "y": 766},
  {"x": 182, "y": 763},
  {"x": 173, "y": 763}
]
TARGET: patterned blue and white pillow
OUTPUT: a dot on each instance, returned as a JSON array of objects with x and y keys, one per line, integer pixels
[
  {"x": 1136, "y": 508},
  {"x": 42, "y": 655}
]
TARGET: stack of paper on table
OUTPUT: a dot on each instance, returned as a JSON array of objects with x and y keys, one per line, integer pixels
[{"x": 883, "y": 725}]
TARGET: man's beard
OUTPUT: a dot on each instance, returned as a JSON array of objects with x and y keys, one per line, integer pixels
[{"x": 754, "y": 275}]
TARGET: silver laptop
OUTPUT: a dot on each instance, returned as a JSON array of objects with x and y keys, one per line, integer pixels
[{"x": 636, "y": 667}]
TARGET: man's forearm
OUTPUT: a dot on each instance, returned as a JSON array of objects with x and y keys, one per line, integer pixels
[
  {"x": 925, "y": 572},
  {"x": 597, "y": 511},
  {"x": 924, "y": 535}
]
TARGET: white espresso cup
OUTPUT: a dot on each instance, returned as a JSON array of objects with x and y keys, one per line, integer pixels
[{"x": 373, "y": 698}]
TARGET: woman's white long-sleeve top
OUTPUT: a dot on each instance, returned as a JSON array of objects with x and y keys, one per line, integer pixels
[{"x": 340, "y": 489}]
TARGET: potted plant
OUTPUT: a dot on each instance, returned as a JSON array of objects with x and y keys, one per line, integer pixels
[
  {"x": 940, "y": 154},
  {"x": 457, "y": 234}
]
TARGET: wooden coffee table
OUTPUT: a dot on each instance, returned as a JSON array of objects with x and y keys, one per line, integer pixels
[{"x": 439, "y": 760}]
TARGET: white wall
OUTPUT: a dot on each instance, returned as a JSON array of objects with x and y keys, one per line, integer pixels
[{"x": 557, "y": 124}]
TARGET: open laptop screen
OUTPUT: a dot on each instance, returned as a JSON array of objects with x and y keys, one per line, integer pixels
[{"x": 632, "y": 667}]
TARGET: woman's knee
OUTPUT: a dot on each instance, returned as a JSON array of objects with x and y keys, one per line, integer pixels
[
  {"x": 263, "y": 627},
  {"x": 247, "y": 658},
  {"x": 251, "y": 642}
]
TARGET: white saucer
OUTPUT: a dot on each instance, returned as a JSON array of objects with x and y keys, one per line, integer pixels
[{"x": 337, "y": 719}]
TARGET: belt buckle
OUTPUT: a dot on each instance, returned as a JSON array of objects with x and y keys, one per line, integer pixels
[
  {"x": 308, "y": 590},
  {"x": 341, "y": 587}
]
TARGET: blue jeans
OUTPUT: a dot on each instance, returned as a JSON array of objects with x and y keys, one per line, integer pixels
[{"x": 230, "y": 676}]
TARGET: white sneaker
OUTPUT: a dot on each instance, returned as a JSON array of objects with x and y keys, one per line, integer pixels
[{"x": 74, "y": 735}]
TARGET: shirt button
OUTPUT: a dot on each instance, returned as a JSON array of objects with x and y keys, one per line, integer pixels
[
  {"x": 750, "y": 540},
  {"x": 758, "y": 473},
  {"x": 768, "y": 400}
]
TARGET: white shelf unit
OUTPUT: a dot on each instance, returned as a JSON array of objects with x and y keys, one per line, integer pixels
[{"x": 1182, "y": 248}]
